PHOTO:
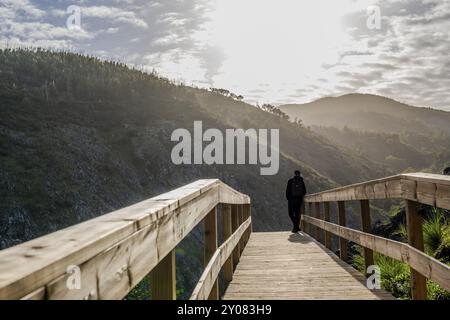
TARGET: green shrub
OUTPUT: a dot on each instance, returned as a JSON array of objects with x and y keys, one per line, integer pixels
[
  {"x": 435, "y": 231},
  {"x": 395, "y": 275}
]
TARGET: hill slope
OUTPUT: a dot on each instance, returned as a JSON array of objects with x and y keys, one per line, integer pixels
[
  {"x": 385, "y": 131},
  {"x": 81, "y": 137}
]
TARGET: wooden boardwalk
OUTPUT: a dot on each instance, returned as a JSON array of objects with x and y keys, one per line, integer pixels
[
  {"x": 116, "y": 251},
  {"x": 282, "y": 265}
]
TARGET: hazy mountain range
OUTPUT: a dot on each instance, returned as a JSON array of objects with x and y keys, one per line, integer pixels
[
  {"x": 370, "y": 113},
  {"x": 394, "y": 134}
]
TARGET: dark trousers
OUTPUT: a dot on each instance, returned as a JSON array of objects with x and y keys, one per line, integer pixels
[{"x": 294, "y": 207}]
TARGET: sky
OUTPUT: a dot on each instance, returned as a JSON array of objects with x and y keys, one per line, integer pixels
[{"x": 269, "y": 51}]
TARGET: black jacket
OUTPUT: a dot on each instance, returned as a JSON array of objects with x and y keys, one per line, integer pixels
[{"x": 289, "y": 195}]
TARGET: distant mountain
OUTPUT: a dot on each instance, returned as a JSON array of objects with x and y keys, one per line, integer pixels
[
  {"x": 393, "y": 134},
  {"x": 369, "y": 113}
]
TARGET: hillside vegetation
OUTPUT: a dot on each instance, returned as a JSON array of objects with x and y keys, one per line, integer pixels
[
  {"x": 82, "y": 137},
  {"x": 369, "y": 113}
]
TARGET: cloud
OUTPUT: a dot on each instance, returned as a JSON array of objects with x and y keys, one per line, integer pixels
[
  {"x": 114, "y": 14},
  {"x": 10, "y": 9},
  {"x": 23, "y": 23}
]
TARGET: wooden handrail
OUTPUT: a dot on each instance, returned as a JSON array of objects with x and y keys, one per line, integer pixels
[
  {"x": 414, "y": 188},
  {"x": 115, "y": 251},
  {"x": 430, "y": 267},
  {"x": 212, "y": 270},
  {"x": 431, "y": 189}
]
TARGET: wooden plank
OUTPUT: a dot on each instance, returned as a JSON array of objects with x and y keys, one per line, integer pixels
[
  {"x": 306, "y": 270},
  {"x": 409, "y": 188},
  {"x": 38, "y": 294},
  {"x": 426, "y": 193},
  {"x": 415, "y": 239},
  {"x": 226, "y": 233},
  {"x": 393, "y": 189},
  {"x": 114, "y": 272},
  {"x": 163, "y": 282},
  {"x": 209, "y": 276},
  {"x": 367, "y": 228},
  {"x": 231, "y": 196},
  {"x": 326, "y": 217},
  {"x": 343, "y": 243},
  {"x": 380, "y": 190},
  {"x": 443, "y": 196},
  {"x": 375, "y": 189},
  {"x": 210, "y": 236},
  {"x": 427, "y": 177},
  {"x": 421, "y": 187},
  {"x": 429, "y": 267}
]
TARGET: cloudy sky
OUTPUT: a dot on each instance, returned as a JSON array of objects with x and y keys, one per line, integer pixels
[{"x": 275, "y": 51}]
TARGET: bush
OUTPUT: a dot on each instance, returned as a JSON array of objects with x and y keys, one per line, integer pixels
[
  {"x": 436, "y": 231},
  {"x": 395, "y": 275}
]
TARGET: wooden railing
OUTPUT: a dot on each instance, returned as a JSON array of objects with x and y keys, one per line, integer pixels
[
  {"x": 111, "y": 254},
  {"x": 430, "y": 189}
]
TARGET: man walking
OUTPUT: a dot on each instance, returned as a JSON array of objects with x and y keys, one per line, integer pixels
[{"x": 295, "y": 191}]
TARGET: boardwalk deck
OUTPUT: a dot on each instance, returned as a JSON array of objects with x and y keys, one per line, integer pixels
[{"x": 281, "y": 265}]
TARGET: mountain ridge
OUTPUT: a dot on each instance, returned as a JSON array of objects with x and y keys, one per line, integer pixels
[{"x": 386, "y": 114}]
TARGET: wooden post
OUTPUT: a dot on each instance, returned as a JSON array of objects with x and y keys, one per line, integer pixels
[
  {"x": 235, "y": 226},
  {"x": 415, "y": 239},
  {"x": 211, "y": 246},
  {"x": 162, "y": 279},
  {"x": 302, "y": 213},
  {"x": 226, "y": 233},
  {"x": 241, "y": 221},
  {"x": 343, "y": 243},
  {"x": 366, "y": 227},
  {"x": 247, "y": 214},
  {"x": 317, "y": 216},
  {"x": 311, "y": 213},
  {"x": 306, "y": 212},
  {"x": 326, "y": 217},
  {"x": 250, "y": 228}
]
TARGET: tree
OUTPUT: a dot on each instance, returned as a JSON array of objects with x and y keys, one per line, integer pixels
[{"x": 227, "y": 93}]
